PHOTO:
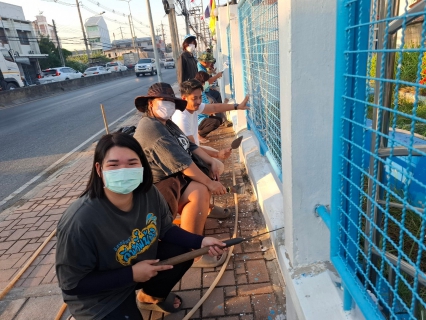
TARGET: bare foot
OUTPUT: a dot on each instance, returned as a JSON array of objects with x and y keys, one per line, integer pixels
[{"x": 203, "y": 140}]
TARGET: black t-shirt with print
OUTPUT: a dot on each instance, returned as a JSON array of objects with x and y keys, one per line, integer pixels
[
  {"x": 94, "y": 235},
  {"x": 167, "y": 148}
]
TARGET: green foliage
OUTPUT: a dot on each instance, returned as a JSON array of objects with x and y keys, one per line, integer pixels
[
  {"x": 79, "y": 63},
  {"x": 372, "y": 71},
  {"x": 409, "y": 64},
  {"x": 48, "y": 47}
]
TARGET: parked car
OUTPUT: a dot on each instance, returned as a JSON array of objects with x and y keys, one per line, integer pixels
[
  {"x": 94, "y": 71},
  {"x": 144, "y": 66},
  {"x": 169, "y": 63},
  {"x": 59, "y": 74},
  {"x": 116, "y": 66}
]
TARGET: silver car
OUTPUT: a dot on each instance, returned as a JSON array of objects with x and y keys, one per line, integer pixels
[
  {"x": 144, "y": 66},
  {"x": 95, "y": 71},
  {"x": 59, "y": 74}
]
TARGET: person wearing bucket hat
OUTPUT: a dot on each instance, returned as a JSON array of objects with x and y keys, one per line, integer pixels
[
  {"x": 205, "y": 64},
  {"x": 185, "y": 187},
  {"x": 187, "y": 64}
]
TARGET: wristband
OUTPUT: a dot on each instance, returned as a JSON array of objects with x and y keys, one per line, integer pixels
[{"x": 235, "y": 106}]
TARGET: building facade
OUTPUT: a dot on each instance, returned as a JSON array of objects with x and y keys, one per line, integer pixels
[
  {"x": 42, "y": 28},
  {"x": 18, "y": 34},
  {"x": 144, "y": 44},
  {"x": 97, "y": 34}
]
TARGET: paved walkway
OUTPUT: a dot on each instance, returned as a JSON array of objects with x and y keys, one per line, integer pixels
[{"x": 251, "y": 287}]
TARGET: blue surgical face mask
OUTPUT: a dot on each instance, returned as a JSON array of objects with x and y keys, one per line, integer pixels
[{"x": 123, "y": 181}]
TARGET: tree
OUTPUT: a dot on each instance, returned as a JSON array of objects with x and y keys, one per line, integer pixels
[
  {"x": 48, "y": 47},
  {"x": 79, "y": 63}
]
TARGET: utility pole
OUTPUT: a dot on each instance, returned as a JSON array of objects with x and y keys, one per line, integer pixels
[
  {"x": 169, "y": 8},
  {"x": 174, "y": 29},
  {"x": 133, "y": 37},
  {"x": 164, "y": 35},
  {"x": 84, "y": 33},
  {"x": 121, "y": 34},
  {"x": 132, "y": 28},
  {"x": 185, "y": 13},
  {"x": 59, "y": 44},
  {"x": 154, "y": 42}
]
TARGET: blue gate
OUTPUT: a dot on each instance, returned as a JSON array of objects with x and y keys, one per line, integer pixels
[
  {"x": 260, "y": 55},
  {"x": 378, "y": 218}
]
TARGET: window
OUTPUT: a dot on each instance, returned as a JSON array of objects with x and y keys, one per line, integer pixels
[
  {"x": 92, "y": 28},
  {"x": 23, "y": 37},
  {"x": 6, "y": 55},
  {"x": 93, "y": 40},
  {"x": 150, "y": 43},
  {"x": 3, "y": 37}
]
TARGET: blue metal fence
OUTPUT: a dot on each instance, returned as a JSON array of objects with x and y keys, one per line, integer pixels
[
  {"x": 231, "y": 78},
  {"x": 260, "y": 53},
  {"x": 378, "y": 217}
]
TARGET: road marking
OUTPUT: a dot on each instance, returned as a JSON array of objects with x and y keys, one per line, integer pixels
[{"x": 23, "y": 187}]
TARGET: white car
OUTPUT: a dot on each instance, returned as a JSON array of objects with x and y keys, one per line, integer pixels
[
  {"x": 115, "y": 66},
  {"x": 144, "y": 66},
  {"x": 169, "y": 63},
  {"x": 59, "y": 74},
  {"x": 94, "y": 71}
]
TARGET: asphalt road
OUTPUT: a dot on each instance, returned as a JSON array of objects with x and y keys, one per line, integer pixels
[{"x": 35, "y": 135}]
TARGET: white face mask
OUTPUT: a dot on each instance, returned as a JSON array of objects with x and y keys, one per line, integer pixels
[
  {"x": 164, "y": 109},
  {"x": 190, "y": 48}
]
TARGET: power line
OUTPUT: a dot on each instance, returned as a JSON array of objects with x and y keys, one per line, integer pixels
[{"x": 107, "y": 9}]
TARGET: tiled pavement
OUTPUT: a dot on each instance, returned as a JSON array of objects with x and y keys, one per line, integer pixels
[{"x": 250, "y": 288}]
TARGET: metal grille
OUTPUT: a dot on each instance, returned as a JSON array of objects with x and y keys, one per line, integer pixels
[
  {"x": 260, "y": 53},
  {"x": 231, "y": 78},
  {"x": 378, "y": 218}
]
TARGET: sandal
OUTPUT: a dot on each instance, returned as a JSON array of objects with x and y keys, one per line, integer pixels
[
  {"x": 207, "y": 261},
  {"x": 217, "y": 212},
  {"x": 165, "y": 306}
]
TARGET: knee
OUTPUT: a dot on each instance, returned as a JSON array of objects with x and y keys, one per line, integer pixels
[{"x": 200, "y": 193}]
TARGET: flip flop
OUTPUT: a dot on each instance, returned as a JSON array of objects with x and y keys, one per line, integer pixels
[
  {"x": 208, "y": 261},
  {"x": 217, "y": 212},
  {"x": 165, "y": 306}
]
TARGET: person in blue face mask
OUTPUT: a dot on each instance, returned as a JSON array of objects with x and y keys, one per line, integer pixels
[{"x": 108, "y": 239}]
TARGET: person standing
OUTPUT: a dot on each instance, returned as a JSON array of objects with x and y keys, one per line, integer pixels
[{"x": 187, "y": 64}]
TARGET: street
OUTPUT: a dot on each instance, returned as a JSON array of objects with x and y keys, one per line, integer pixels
[{"x": 35, "y": 135}]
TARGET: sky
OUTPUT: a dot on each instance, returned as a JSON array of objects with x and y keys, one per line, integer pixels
[{"x": 65, "y": 14}]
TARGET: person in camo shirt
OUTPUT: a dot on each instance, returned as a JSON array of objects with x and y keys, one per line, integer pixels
[{"x": 108, "y": 239}]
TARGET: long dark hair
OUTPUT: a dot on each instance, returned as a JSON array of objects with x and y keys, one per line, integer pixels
[{"x": 95, "y": 186}]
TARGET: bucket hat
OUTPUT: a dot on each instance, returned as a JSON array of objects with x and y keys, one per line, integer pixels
[
  {"x": 206, "y": 56},
  {"x": 159, "y": 90},
  {"x": 188, "y": 36}
]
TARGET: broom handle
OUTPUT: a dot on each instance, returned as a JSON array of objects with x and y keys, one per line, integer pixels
[{"x": 194, "y": 253}]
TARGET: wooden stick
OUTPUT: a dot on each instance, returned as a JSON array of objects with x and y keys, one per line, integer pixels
[
  {"x": 105, "y": 119},
  {"x": 183, "y": 257},
  {"x": 25, "y": 267},
  {"x": 61, "y": 311}
]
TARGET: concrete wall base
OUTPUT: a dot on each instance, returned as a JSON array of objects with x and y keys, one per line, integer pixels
[
  {"x": 13, "y": 97},
  {"x": 312, "y": 291}
]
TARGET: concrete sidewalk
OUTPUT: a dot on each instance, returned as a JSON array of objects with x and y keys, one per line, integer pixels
[{"x": 251, "y": 287}]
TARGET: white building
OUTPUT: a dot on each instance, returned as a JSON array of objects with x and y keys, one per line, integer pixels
[
  {"x": 42, "y": 28},
  {"x": 97, "y": 34},
  {"x": 17, "y": 33},
  {"x": 119, "y": 47}
]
